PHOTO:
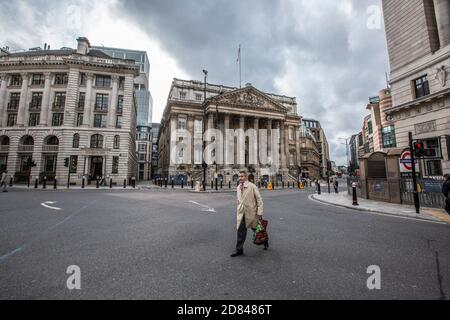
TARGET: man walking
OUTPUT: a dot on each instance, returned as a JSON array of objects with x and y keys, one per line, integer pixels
[
  {"x": 3, "y": 181},
  {"x": 249, "y": 211},
  {"x": 445, "y": 191}
]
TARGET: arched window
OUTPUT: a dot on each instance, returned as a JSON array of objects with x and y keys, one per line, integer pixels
[
  {"x": 97, "y": 141},
  {"x": 76, "y": 141},
  {"x": 51, "y": 141},
  {"x": 4, "y": 141},
  {"x": 27, "y": 141},
  {"x": 116, "y": 142}
]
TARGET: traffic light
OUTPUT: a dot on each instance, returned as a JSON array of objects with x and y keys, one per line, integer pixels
[
  {"x": 419, "y": 149},
  {"x": 66, "y": 162}
]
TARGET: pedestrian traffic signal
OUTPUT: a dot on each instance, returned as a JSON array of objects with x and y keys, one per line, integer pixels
[
  {"x": 66, "y": 162},
  {"x": 419, "y": 149}
]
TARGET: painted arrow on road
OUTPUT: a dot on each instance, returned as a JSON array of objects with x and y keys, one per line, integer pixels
[
  {"x": 207, "y": 208},
  {"x": 46, "y": 204}
]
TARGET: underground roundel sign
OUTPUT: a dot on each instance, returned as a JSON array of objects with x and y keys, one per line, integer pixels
[{"x": 406, "y": 163}]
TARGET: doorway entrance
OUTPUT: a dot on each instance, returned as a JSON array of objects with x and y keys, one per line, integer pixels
[{"x": 96, "y": 166}]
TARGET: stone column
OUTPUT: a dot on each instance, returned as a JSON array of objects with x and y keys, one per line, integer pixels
[
  {"x": 286, "y": 147},
  {"x": 44, "y": 120},
  {"x": 113, "y": 102},
  {"x": 297, "y": 146},
  {"x": 255, "y": 146},
  {"x": 2, "y": 98},
  {"x": 71, "y": 98},
  {"x": 88, "y": 110},
  {"x": 269, "y": 140},
  {"x": 23, "y": 100},
  {"x": 442, "y": 9},
  {"x": 190, "y": 129},
  {"x": 228, "y": 139},
  {"x": 241, "y": 144},
  {"x": 283, "y": 144}
]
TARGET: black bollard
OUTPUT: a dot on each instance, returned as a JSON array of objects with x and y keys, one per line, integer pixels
[
  {"x": 173, "y": 183},
  {"x": 355, "y": 196},
  {"x": 98, "y": 183},
  {"x": 82, "y": 183},
  {"x": 318, "y": 188},
  {"x": 182, "y": 184},
  {"x": 29, "y": 179},
  {"x": 124, "y": 183},
  {"x": 221, "y": 184},
  {"x": 282, "y": 184},
  {"x": 133, "y": 182},
  {"x": 217, "y": 186},
  {"x": 36, "y": 183},
  {"x": 165, "y": 183},
  {"x": 11, "y": 182},
  {"x": 110, "y": 183},
  {"x": 212, "y": 184},
  {"x": 55, "y": 182},
  {"x": 44, "y": 184},
  {"x": 192, "y": 184},
  {"x": 229, "y": 184}
]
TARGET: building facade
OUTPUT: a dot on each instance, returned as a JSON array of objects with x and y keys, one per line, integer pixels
[
  {"x": 228, "y": 108},
  {"x": 310, "y": 152},
  {"x": 155, "y": 133},
  {"x": 324, "y": 149},
  {"x": 418, "y": 38},
  {"x": 76, "y": 104},
  {"x": 144, "y": 103}
]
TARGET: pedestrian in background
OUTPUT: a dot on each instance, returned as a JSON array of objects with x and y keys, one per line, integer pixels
[
  {"x": 249, "y": 211},
  {"x": 3, "y": 181},
  {"x": 445, "y": 191},
  {"x": 336, "y": 185}
]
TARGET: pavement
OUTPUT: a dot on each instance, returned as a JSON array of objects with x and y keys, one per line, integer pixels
[
  {"x": 342, "y": 199},
  {"x": 155, "y": 244}
]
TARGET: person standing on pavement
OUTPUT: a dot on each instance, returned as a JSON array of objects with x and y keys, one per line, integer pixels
[
  {"x": 249, "y": 211},
  {"x": 445, "y": 191},
  {"x": 3, "y": 181},
  {"x": 336, "y": 185}
]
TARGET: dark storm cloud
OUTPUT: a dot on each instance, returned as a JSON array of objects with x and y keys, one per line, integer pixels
[{"x": 322, "y": 51}]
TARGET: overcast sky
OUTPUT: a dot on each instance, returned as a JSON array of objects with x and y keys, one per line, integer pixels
[{"x": 330, "y": 54}]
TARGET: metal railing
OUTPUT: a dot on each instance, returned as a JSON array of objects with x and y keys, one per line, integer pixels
[
  {"x": 47, "y": 148},
  {"x": 24, "y": 148},
  {"x": 4, "y": 148}
]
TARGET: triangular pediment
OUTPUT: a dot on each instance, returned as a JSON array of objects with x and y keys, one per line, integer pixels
[{"x": 249, "y": 97}]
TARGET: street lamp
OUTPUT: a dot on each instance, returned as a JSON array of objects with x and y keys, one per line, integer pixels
[
  {"x": 204, "y": 165},
  {"x": 346, "y": 151}
]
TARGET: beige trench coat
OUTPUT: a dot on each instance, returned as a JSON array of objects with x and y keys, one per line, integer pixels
[{"x": 250, "y": 205}]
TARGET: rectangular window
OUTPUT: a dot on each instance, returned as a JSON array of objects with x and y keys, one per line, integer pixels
[
  {"x": 81, "y": 100},
  {"x": 198, "y": 97},
  {"x": 38, "y": 79},
  {"x": 182, "y": 123},
  {"x": 57, "y": 119},
  {"x": 370, "y": 127},
  {"x": 50, "y": 164},
  {"x": 121, "y": 83},
  {"x": 80, "y": 117},
  {"x": 389, "y": 140},
  {"x": 99, "y": 121},
  {"x": 119, "y": 104},
  {"x": 16, "y": 80},
  {"x": 183, "y": 95},
  {"x": 142, "y": 157},
  {"x": 360, "y": 140},
  {"x": 434, "y": 168},
  {"x": 119, "y": 120},
  {"x": 61, "y": 79},
  {"x": 82, "y": 79},
  {"x": 12, "y": 119},
  {"x": 34, "y": 119},
  {"x": 115, "y": 165},
  {"x": 142, "y": 147},
  {"x": 14, "y": 101},
  {"x": 422, "y": 87},
  {"x": 36, "y": 101},
  {"x": 103, "y": 81},
  {"x": 60, "y": 101},
  {"x": 101, "y": 102}
]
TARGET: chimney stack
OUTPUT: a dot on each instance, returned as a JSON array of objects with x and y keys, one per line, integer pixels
[{"x": 83, "y": 46}]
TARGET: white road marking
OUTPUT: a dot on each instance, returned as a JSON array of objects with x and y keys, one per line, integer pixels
[
  {"x": 207, "y": 208},
  {"x": 46, "y": 204}
]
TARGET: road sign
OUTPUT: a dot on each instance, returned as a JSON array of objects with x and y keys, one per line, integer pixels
[{"x": 405, "y": 163}]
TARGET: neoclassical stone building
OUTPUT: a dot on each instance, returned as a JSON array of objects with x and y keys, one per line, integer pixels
[
  {"x": 77, "y": 104},
  {"x": 228, "y": 108}
]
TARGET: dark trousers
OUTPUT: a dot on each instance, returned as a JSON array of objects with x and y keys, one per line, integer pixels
[{"x": 241, "y": 236}]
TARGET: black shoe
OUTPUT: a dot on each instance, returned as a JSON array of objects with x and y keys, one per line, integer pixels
[
  {"x": 237, "y": 254},
  {"x": 266, "y": 246}
]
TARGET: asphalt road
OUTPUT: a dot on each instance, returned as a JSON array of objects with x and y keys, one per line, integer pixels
[{"x": 160, "y": 245}]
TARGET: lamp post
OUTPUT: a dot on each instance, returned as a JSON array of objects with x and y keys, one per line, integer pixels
[
  {"x": 204, "y": 165},
  {"x": 346, "y": 151}
]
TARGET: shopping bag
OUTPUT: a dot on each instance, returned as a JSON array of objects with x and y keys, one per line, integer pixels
[{"x": 260, "y": 236}]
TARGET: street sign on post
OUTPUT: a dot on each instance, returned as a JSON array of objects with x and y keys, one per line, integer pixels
[{"x": 405, "y": 163}]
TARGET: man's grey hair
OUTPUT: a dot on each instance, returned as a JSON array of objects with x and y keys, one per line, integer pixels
[{"x": 244, "y": 172}]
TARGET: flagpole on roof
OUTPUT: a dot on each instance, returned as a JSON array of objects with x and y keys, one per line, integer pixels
[{"x": 239, "y": 60}]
